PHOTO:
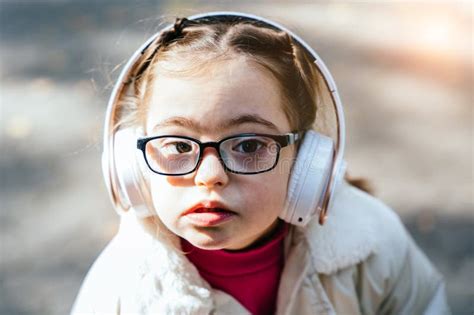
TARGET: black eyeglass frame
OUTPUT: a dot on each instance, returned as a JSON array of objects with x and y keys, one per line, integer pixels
[{"x": 281, "y": 140}]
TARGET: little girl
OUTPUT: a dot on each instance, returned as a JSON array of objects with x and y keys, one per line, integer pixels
[{"x": 205, "y": 136}]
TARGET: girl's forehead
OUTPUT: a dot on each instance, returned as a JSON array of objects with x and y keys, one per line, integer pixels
[{"x": 226, "y": 92}]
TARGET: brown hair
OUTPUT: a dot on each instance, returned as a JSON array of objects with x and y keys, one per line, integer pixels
[{"x": 199, "y": 44}]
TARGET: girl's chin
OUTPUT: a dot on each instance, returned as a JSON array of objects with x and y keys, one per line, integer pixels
[
  {"x": 210, "y": 240},
  {"x": 207, "y": 243}
]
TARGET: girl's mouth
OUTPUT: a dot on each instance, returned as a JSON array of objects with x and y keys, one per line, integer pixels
[{"x": 209, "y": 216}]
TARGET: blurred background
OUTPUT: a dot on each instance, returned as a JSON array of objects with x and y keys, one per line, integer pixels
[{"x": 404, "y": 71}]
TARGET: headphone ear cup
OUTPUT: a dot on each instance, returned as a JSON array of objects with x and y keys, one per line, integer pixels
[
  {"x": 132, "y": 188},
  {"x": 309, "y": 178}
]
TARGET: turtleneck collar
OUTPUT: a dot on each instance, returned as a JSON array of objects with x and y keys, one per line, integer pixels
[{"x": 258, "y": 267}]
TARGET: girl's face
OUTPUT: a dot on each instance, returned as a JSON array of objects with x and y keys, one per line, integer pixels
[{"x": 232, "y": 97}]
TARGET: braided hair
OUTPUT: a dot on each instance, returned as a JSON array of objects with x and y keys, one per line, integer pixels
[{"x": 165, "y": 38}]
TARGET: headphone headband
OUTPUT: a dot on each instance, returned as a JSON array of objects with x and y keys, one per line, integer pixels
[{"x": 108, "y": 164}]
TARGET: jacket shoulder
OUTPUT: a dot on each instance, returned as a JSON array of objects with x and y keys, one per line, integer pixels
[
  {"x": 99, "y": 289},
  {"x": 382, "y": 269},
  {"x": 112, "y": 276},
  {"x": 359, "y": 225}
]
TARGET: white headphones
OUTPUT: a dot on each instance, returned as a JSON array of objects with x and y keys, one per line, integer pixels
[{"x": 315, "y": 174}]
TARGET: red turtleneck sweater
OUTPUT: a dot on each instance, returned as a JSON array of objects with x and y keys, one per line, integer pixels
[{"x": 250, "y": 276}]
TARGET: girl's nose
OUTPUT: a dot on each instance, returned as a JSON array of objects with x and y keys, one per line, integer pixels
[{"x": 210, "y": 171}]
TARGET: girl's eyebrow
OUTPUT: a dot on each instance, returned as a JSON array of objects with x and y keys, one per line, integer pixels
[{"x": 236, "y": 121}]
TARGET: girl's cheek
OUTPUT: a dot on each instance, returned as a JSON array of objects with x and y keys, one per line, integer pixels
[
  {"x": 164, "y": 185},
  {"x": 270, "y": 188},
  {"x": 177, "y": 180},
  {"x": 162, "y": 195}
]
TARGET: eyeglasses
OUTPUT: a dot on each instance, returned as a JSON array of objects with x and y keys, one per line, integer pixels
[{"x": 248, "y": 153}]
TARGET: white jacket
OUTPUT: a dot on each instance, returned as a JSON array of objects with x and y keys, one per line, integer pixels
[{"x": 362, "y": 261}]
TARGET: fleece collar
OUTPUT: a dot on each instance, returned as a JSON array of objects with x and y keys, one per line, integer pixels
[{"x": 165, "y": 281}]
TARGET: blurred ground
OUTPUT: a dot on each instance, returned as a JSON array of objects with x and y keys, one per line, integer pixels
[{"x": 404, "y": 71}]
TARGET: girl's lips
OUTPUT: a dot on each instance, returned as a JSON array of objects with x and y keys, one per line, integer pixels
[
  {"x": 209, "y": 216},
  {"x": 209, "y": 213}
]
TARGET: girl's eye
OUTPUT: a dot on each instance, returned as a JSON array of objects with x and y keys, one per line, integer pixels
[
  {"x": 249, "y": 146},
  {"x": 183, "y": 147},
  {"x": 177, "y": 147}
]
